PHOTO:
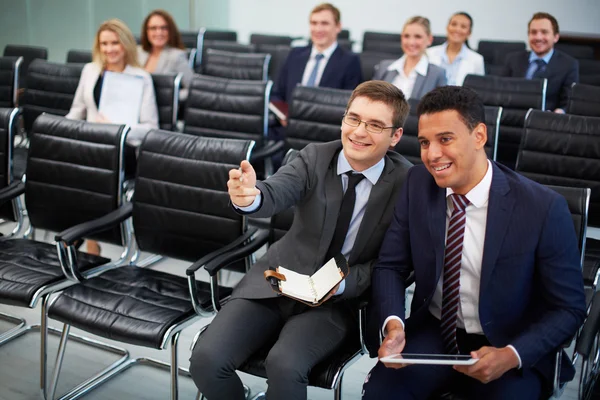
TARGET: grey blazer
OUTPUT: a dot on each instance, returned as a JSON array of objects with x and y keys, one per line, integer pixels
[
  {"x": 436, "y": 77},
  {"x": 171, "y": 61},
  {"x": 310, "y": 183}
]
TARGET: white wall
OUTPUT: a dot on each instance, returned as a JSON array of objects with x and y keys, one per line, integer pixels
[{"x": 493, "y": 19}]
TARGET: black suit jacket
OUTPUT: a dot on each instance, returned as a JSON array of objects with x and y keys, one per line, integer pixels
[
  {"x": 341, "y": 72},
  {"x": 310, "y": 183},
  {"x": 562, "y": 71}
]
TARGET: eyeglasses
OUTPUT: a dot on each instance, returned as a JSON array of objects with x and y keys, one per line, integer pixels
[
  {"x": 371, "y": 127},
  {"x": 158, "y": 28}
]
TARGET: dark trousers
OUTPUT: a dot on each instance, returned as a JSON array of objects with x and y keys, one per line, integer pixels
[
  {"x": 302, "y": 337},
  {"x": 425, "y": 381}
]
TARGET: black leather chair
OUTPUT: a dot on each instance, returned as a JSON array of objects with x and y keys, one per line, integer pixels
[
  {"x": 315, "y": 115},
  {"x": 589, "y": 72},
  {"x": 230, "y": 108},
  {"x": 584, "y": 100},
  {"x": 329, "y": 373},
  {"x": 409, "y": 145},
  {"x": 9, "y": 81},
  {"x": 191, "y": 39},
  {"x": 579, "y": 51},
  {"x": 379, "y": 42},
  {"x": 75, "y": 175},
  {"x": 564, "y": 150},
  {"x": 211, "y": 35},
  {"x": 495, "y": 52},
  {"x": 79, "y": 56},
  {"x": 259, "y": 39},
  {"x": 230, "y": 65},
  {"x": 369, "y": 60},
  {"x": 437, "y": 40},
  {"x": 166, "y": 88},
  {"x": 180, "y": 210},
  {"x": 586, "y": 348},
  {"x": 516, "y": 96},
  {"x": 279, "y": 53},
  {"x": 225, "y": 46},
  {"x": 29, "y": 53},
  {"x": 10, "y": 210}
]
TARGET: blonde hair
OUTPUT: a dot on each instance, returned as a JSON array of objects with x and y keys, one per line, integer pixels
[
  {"x": 424, "y": 22},
  {"x": 125, "y": 38}
]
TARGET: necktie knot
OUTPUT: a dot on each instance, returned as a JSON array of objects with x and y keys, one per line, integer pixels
[
  {"x": 353, "y": 179},
  {"x": 319, "y": 57},
  {"x": 459, "y": 201},
  {"x": 540, "y": 63}
]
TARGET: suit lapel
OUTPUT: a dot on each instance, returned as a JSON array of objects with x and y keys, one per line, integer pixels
[
  {"x": 500, "y": 207},
  {"x": 524, "y": 65},
  {"x": 331, "y": 67},
  {"x": 419, "y": 82},
  {"x": 379, "y": 196},
  {"x": 437, "y": 226},
  {"x": 301, "y": 66},
  {"x": 333, "y": 201}
]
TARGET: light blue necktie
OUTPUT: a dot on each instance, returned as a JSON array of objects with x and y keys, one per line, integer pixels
[{"x": 312, "y": 79}]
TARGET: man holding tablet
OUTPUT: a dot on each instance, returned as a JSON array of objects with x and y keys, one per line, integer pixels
[{"x": 495, "y": 262}]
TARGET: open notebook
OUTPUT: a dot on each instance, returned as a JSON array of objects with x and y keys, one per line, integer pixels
[{"x": 310, "y": 289}]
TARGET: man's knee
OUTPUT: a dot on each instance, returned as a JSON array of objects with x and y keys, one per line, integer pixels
[
  {"x": 282, "y": 365},
  {"x": 208, "y": 363}
]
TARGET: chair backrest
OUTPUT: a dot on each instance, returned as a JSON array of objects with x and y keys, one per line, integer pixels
[
  {"x": 516, "y": 96},
  {"x": 75, "y": 173},
  {"x": 222, "y": 45},
  {"x": 589, "y": 67},
  {"x": 279, "y": 53},
  {"x": 494, "y": 52},
  {"x": 380, "y": 42},
  {"x": 370, "y": 59},
  {"x": 191, "y": 53},
  {"x": 51, "y": 89},
  {"x": 315, "y": 115},
  {"x": 209, "y": 35},
  {"x": 79, "y": 56},
  {"x": 584, "y": 100},
  {"x": 191, "y": 39},
  {"x": 578, "y": 200},
  {"x": 579, "y": 51},
  {"x": 344, "y": 34},
  {"x": 563, "y": 150},
  {"x": 437, "y": 40},
  {"x": 9, "y": 80},
  {"x": 29, "y": 53},
  {"x": 227, "y": 108},
  {"x": 181, "y": 205},
  {"x": 166, "y": 87},
  {"x": 8, "y": 130},
  {"x": 409, "y": 146},
  {"x": 229, "y": 65},
  {"x": 259, "y": 39}
]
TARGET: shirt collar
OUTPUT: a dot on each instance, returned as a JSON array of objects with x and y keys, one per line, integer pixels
[
  {"x": 420, "y": 68},
  {"x": 326, "y": 53},
  {"x": 372, "y": 174},
  {"x": 480, "y": 194},
  {"x": 461, "y": 54},
  {"x": 546, "y": 58}
]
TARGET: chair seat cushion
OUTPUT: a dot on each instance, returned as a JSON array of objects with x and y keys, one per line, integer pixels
[
  {"x": 130, "y": 304},
  {"x": 26, "y": 266},
  {"x": 323, "y": 374}
]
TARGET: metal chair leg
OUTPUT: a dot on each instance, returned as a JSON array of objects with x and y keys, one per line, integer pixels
[
  {"x": 337, "y": 390},
  {"x": 15, "y": 331},
  {"x": 174, "y": 367},
  {"x": 60, "y": 354}
]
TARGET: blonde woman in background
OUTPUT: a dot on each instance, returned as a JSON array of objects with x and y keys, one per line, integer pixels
[
  {"x": 413, "y": 73},
  {"x": 114, "y": 50},
  {"x": 455, "y": 56}
]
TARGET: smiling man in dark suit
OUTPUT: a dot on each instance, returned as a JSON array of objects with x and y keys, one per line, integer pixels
[
  {"x": 323, "y": 63},
  {"x": 496, "y": 268},
  {"x": 544, "y": 61},
  {"x": 319, "y": 182}
]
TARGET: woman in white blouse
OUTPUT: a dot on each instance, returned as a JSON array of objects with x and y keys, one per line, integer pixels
[
  {"x": 455, "y": 56},
  {"x": 412, "y": 72}
]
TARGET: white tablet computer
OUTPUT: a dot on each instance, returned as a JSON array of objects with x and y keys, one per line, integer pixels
[{"x": 436, "y": 359}]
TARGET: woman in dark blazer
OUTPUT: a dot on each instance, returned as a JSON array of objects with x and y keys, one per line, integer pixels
[{"x": 412, "y": 72}]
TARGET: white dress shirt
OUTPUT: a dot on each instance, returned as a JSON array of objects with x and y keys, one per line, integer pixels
[
  {"x": 363, "y": 191},
  {"x": 404, "y": 82},
  {"x": 310, "y": 65}
]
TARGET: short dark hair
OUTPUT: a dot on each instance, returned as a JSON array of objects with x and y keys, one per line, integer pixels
[
  {"x": 175, "y": 39},
  {"x": 463, "y": 100},
  {"x": 337, "y": 17},
  {"x": 549, "y": 17},
  {"x": 386, "y": 93}
]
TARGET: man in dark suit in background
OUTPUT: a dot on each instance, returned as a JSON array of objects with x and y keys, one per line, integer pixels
[
  {"x": 495, "y": 262},
  {"x": 344, "y": 193},
  {"x": 323, "y": 63},
  {"x": 544, "y": 61}
]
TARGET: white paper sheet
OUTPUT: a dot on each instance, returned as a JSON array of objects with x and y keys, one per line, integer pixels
[{"x": 121, "y": 97}]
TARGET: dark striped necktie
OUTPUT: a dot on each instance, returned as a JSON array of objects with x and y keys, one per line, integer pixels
[{"x": 452, "y": 264}]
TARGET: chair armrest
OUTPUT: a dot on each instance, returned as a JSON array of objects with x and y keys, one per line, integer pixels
[
  {"x": 70, "y": 235},
  {"x": 12, "y": 191},
  {"x": 268, "y": 150},
  {"x": 220, "y": 262},
  {"x": 590, "y": 329}
]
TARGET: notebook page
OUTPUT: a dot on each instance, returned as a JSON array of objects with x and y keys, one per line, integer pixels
[
  {"x": 296, "y": 285},
  {"x": 326, "y": 278}
]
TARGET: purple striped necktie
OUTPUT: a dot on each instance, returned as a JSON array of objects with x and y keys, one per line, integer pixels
[{"x": 452, "y": 264}]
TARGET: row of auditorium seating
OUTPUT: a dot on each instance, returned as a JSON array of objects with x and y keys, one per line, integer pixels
[{"x": 71, "y": 180}]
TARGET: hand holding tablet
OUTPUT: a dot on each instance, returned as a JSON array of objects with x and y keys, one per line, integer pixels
[{"x": 435, "y": 359}]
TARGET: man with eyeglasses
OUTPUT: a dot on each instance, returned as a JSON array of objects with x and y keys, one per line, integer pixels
[{"x": 344, "y": 193}]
